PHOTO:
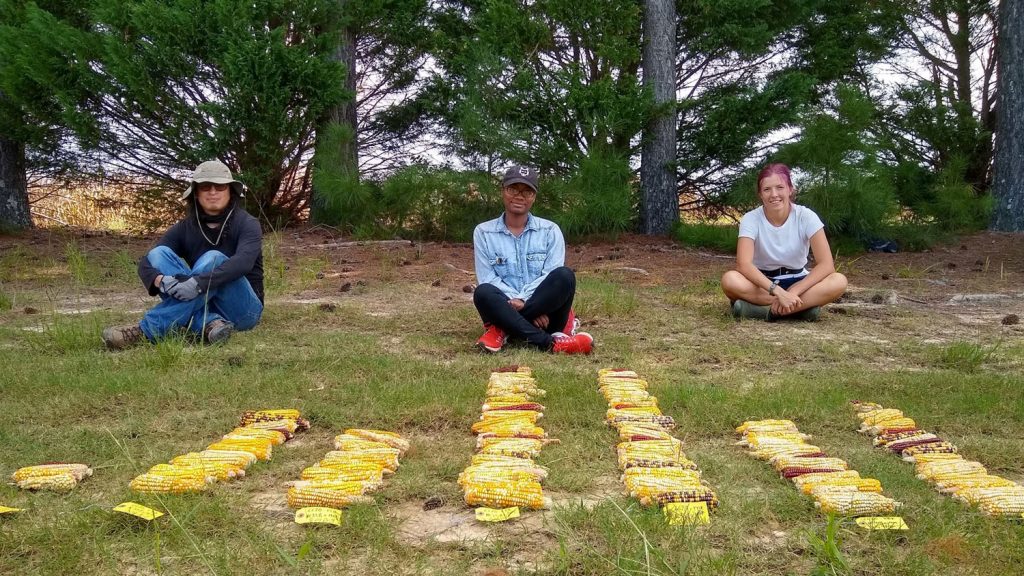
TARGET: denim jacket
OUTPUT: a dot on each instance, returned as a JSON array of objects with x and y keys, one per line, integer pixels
[{"x": 516, "y": 266}]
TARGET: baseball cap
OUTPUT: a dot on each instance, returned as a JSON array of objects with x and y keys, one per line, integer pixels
[{"x": 520, "y": 175}]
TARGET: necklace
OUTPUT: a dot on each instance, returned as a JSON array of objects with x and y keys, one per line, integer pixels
[{"x": 219, "y": 233}]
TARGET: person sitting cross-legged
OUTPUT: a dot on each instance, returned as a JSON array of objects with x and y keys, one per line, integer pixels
[
  {"x": 207, "y": 268},
  {"x": 770, "y": 281},
  {"x": 525, "y": 291}
]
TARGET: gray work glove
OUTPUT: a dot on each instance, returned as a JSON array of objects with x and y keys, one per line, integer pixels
[
  {"x": 166, "y": 283},
  {"x": 185, "y": 289}
]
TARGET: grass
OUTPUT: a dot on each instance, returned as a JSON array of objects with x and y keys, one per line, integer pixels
[{"x": 394, "y": 358}]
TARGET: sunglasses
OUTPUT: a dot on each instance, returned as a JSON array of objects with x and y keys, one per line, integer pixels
[{"x": 513, "y": 192}]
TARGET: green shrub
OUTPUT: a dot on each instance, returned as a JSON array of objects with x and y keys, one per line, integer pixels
[
  {"x": 438, "y": 204},
  {"x": 596, "y": 199},
  {"x": 6, "y": 301}
]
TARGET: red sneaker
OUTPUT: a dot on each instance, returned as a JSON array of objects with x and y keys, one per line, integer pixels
[
  {"x": 571, "y": 324},
  {"x": 579, "y": 343},
  {"x": 492, "y": 340}
]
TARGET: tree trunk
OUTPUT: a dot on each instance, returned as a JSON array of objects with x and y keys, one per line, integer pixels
[
  {"x": 341, "y": 162},
  {"x": 1008, "y": 188},
  {"x": 659, "y": 209},
  {"x": 14, "y": 210}
]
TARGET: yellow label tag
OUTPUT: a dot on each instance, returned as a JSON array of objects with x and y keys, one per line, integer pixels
[
  {"x": 687, "y": 513},
  {"x": 6, "y": 510},
  {"x": 496, "y": 515},
  {"x": 138, "y": 510},
  {"x": 882, "y": 523},
  {"x": 318, "y": 515}
]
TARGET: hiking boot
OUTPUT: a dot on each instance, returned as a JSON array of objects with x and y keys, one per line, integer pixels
[
  {"x": 122, "y": 337},
  {"x": 579, "y": 343},
  {"x": 572, "y": 324},
  {"x": 744, "y": 309},
  {"x": 218, "y": 331},
  {"x": 492, "y": 340},
  {"x": 807, "y": 315}
]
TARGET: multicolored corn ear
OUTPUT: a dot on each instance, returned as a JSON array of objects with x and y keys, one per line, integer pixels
[{"x": 855, "y": 503}]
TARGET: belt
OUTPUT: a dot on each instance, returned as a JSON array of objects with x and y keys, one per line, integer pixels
[{"x": 781, "y": 272}]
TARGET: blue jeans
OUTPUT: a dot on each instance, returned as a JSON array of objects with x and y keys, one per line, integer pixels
[{"x": 235, "y": 301}]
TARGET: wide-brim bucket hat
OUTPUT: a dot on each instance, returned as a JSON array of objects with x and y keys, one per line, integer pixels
[{"x": 215, "y": 172}]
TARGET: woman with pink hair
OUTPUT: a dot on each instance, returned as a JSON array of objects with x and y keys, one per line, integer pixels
[{"x": 770, "y": 281}]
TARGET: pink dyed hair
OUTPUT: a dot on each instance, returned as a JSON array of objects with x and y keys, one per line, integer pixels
[{"x": 780, "y": 170}]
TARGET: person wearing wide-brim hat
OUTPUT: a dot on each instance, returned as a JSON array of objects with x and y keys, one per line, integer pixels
[
  {"x": 207, "y": 268},
  {"x": 525, "y": 291}
]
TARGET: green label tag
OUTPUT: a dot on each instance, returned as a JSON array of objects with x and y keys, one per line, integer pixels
[
  {"x": 6, "y": 510},
  {"x": 318, "y": 515},
  {"x": 497, "y": 515},
  {"x": 882, "y": 523},
  {"x": 138, "y": 510},
  {"x": 687, "y": 513}
]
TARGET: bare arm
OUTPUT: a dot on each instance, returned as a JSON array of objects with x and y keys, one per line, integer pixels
[
  {"x": 824, "y": 265},
  {"x": 745, "y": 264}
]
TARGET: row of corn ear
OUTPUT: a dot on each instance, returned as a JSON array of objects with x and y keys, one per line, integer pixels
[
  {"x": 258, "y": 431},
  {"x": 939, "y": 462},
  {"x": 57, "y": 477},
  {"x": 834, "y": 487},
  {"x": 502, "y": 473},
  {"x": 654, "y": 468},
  {"x": 346, "y": 475}
]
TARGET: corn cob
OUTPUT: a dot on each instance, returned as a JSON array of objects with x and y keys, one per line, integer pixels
[
  {"x": 843, "y": 475},
  {"x": 755, "y": 440},
  {"x": 854, "y": 503},
  {"x": 879, "y": 416},
  {"x": 64, "y": 482},
  {"x": 978, "y": 494},
  {"x": 637, "y": 433},
  {"x": 1007, "y": 501},
  {"x": 390, "y": 438},
  {"x": 945, "y": 470},
  {"x": 78, "y": 471},
  {"x": 504, "y": 494},
  {"x": 218, "y": 470},
  {"x": 889, "y": 426},
  {"x": 369, "y": 473},
  {"x": 657, "y": 462},
  {"x": 958, "y": 485},
  {"x": 387, "y": 460},
  {"x": 350, "y": 442},
  {"x": 308, "y": 496},
  {"x": 287, "y": 427},
  {"x": 650, "y": 486},
  {"x": 616, "y": 372},
  {"x": 496, "y": 474},
  {"x": 273, "y": 414},
  {"x": 239, "y": 458},
  {"x": 773, "y": 453},
  {"x": 932, "y": 457},
  {"x": 801, "y": 462},
  {"x": 699, "y": 494},
  {"x": 276, "y": 437},
  {"x": 886, "y": 437},
  {"x": 934, "y": 448},
  {"x": 154, "y": 483},
  {"x": 665, "y": 422},
  {"x": 351, "y": 487},
  {"x": 766, "y": 426},
  {"x": 645, "y": 411},
  {"x": 854, "y": 484},
  {"x": 261, "y": 449},
  {"x": 180, "y": 471},
  {"x": 518, "y": 447},
  {"x": 898, "y": 446}
]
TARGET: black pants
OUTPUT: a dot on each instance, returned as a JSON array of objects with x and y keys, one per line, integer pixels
[{"x": 553, "y": 297}]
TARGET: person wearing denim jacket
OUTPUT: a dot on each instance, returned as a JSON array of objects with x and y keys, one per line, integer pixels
[
  {"x": 207, "y": 269},
  {"x": 524, "y": 290}
]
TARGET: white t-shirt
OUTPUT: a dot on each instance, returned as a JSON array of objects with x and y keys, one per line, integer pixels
[{"x": 780, "y": 246}]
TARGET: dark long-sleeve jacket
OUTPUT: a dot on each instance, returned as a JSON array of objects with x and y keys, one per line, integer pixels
[{"x": 241, "y": 242}]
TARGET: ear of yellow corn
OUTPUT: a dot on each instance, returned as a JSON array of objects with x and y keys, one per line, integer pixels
[
  {"x": 258, "y": 447},
  {"x": 64, "y": 482},
  {"x": 505, "y": 494},
  {"x": 154, "y": 483},
  {"x": 276, "y": 437},
  {"x": 78, "y": 471},
  {"x": 392, "y": 439},
  {"x": 855, "y": 503},
  {"x": 323, "y": 497}
]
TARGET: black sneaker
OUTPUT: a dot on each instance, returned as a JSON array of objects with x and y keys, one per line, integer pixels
[{"x": 218, "y": 331}]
